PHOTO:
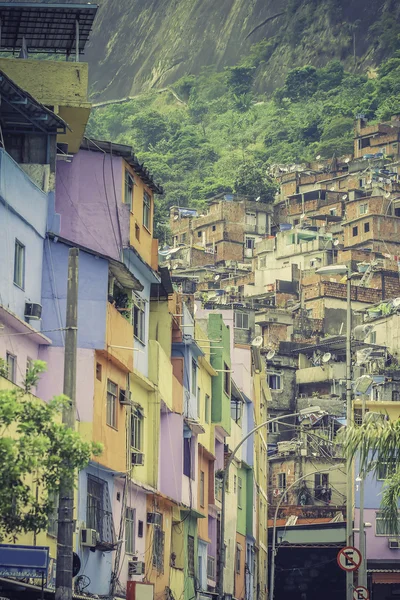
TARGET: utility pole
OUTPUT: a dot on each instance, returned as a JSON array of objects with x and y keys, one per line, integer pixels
[
  {"x": 66, "y": 498},
  {"x": 349, "y": 422}
]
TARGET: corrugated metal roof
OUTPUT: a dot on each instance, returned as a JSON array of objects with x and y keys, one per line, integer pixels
[{"x": 45, "y": 27}]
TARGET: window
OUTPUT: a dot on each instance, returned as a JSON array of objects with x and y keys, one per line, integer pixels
[
  {"x": 382, "y": 472},
  {"x": 112, "y": 392},
  {"x": 146, "y": 210},
  {"x": 262, "y": 262},
  {"x": 199, "y": 234},
  {"x": 397, "y": 211},
  {"x": 19, "y": 264},
  {"x": 183, "y": 238},
  {"x": 227, "y": 380},
  {"x": 395, "y": 396},
  {"x": 198, "y": 404},
  {"x": 234, "y": 484},
  {"x": 29, "y": 365},
  {"x": 202, "y": 489},
  {"x": 249, "y": 243},
  {"x": 238, "y": 558},
  {"x": 273, "y": 427},
  {"x": 282, "y": 481},
  {"x": 98, "y": 371},
  {"x": 321, "y": 487},
  {"x": 363, "y": 209},
  {"x": 137, "y": 428},
  {"x": 240, "y": 488},
  {"x": 194, "y": 376},
  {"x": 138, "y": 318},
  {"x": 130, "y": 530},
  {"x": 372, "y": 337},
  {"x": 52, "y": 524},
  {"x": 274, "y": 381},
  {"x": 187, "y": 457},
  {"x": 366, "y": 227},
  {"x": 191, "y": 556},
  {"x": 207, "y": 408},
  {"x": 95, "y": 503},
  {"x": 241, "y": 320},
  {"x": 332, "y": 212},
  {"x": 355, "y": 231},
  {"x": 158, "y": 548},
  {"x": 214, "y": 228},
  {"x": 251, "y": 218},
  {"x": 137, "y": 232},
  {"x": 140, "y": 529},
  {"x": 236, "y": 409},
  {"x": 382, "y": 527},
  {"x": 11, "y": 366},
  {"x": 129, "y": 183}
]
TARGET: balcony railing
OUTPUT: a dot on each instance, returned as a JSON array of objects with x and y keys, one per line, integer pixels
[{"x": 211, "y": 568}]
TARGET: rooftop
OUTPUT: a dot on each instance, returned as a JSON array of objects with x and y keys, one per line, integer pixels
[{"x": 49, "y": 28}]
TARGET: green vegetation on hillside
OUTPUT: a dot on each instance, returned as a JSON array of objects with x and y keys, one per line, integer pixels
[{"x": 222, "y": 135}]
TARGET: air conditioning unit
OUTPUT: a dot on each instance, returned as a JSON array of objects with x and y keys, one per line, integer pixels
[
  {"x": 89, "y": 537},
  {"x": 32, "y": 310},
  {"x": 154, "y": 518},
  {"x": 137, "y": 458},
  {"x": 394, "y": 544},
  {"x": 125, "y": 397},
  {"x": 136, "y": 567}
]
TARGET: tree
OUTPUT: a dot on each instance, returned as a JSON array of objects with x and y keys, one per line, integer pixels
[
  {"x": 377, "y": 445},
  {"x": 301, "y": 83},
  {"x": 252, "y": 180},
  {"x": 36, "y": 452},
  {"x": 239, "y": 79}
]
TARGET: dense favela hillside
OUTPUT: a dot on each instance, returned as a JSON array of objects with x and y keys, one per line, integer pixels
[
  {"x": 138, "y": 46},
  {"x": 220, "y": 128}
]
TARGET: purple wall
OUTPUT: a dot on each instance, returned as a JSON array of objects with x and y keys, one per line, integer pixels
[
  {"x": 219, "y": 455},
  {"x": 88, "y": 199},
  {"x": 171, "y": 455},
  {"x": 377, "y": 545}
]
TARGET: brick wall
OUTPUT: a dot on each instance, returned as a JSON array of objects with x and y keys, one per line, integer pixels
[
  {"x": 199, "y": 258},
  {"x": 229, "y": 251}
]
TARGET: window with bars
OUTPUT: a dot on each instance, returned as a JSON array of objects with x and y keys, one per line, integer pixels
[
  {"x": 130, "y": 514},
  {"x": 158, "y": 548},
  {"x": 382, "y": 527},
  {"x": 274, "y": 381},
  {"x": 146, "y": 210},
  {"x": 273, "y": 427},
  {"x": 112, "y": 394},
  {"x": 139, "y": 318},
  {"x": 190, "y": 555},
  {"x": 236, "y": 409},
  {"x": 238, "y": 558},
  {"x": 94, "y": 503}
]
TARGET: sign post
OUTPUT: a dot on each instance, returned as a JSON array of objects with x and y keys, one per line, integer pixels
[{"x": 349, "y": 558}]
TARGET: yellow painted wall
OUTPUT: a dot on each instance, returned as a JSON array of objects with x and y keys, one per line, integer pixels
[
  {"x": 161, "y": 580},
  {"x": 119, "y": 332},
  {"x": 392, "y": 409},
  {"x": 141, "y": 238},
  {"x": 206, "y": 439},
  {"x": 160, "y": 372},
  {"x": 113, "y": 440},
  {"x": 160, "y": 327}
]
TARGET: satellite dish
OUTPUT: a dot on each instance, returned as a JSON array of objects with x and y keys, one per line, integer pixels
[
  {"x": 362, "y": 331},
  {"x": 318, "y": 157},
  {"x": 396, "y": 302},
  {"x": 174, "y": 267},
  {"x": 332, "y": 189},
  {"x": 258, "y": 199},
  {"x": 326, "y": 357},
  {"x": 336, "y": 242},
  {"x": 346, "y": 160},
  {"x": 176, "y": 217},
  {"x": 270, "y": 354},
  {"x": 303, "y": 216},
  {"x": 344, "y": 197},
  {"x": 217, "y": 277},
  {"x": 257, "y": 342},
  {"x": 387, "y": 195}
]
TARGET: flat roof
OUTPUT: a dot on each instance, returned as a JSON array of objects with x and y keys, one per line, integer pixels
[{"x": 47, "y": 28}]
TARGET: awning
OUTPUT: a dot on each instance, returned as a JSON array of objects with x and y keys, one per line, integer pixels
[{"x": 386, "y": 578}]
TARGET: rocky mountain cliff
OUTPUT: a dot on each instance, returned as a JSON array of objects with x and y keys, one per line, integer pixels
[{"x": 139, "y": 45}]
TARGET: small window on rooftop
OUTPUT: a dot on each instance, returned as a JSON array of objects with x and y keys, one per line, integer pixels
[
  {"x": 366, "y": 227},
  {"x": 355, "y": 231}
]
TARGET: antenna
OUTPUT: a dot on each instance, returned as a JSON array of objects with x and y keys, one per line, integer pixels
[
  {"x": 270, "y": 354},
  {"x": 257, "y": 342},
  {"x": 326, "y": 357}
]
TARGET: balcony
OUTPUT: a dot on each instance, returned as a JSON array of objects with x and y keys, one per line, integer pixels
[
  {"x": 119, "y": 336},
  {"x": 321, "y": 374}
]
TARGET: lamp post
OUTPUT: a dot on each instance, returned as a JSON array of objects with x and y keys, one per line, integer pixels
[
  {"x": 344, "y": 270},
  {"x": 273, "y": 552},
  {"x": 305, "y": 411}
]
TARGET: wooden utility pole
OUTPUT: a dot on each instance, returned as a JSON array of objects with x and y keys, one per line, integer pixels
[{"x": 66, "y": 498}]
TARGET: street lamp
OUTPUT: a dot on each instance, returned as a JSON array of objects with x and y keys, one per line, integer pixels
[
  {"x": 274, "y": 551},
  {"x": 305, "y": 411},
  {"x": 345, "y": 270}
]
